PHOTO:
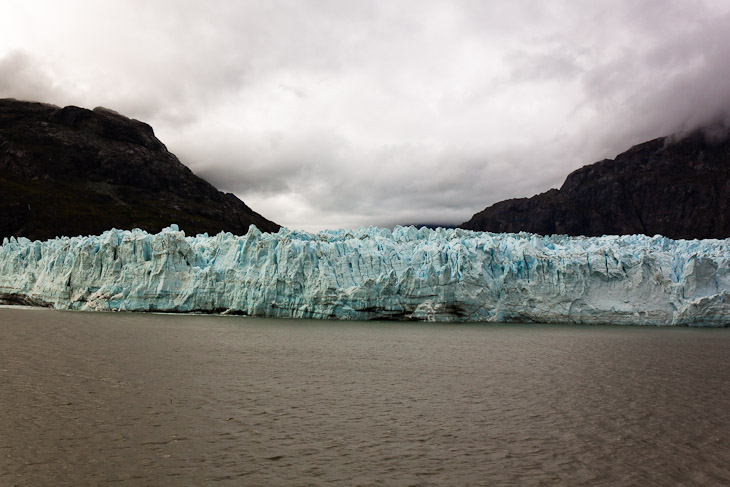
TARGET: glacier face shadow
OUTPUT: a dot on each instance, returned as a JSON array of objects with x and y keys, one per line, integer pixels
[{"x": 375, "y": 273}]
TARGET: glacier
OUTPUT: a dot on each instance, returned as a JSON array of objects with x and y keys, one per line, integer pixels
[{"x": 376, "y": 273}]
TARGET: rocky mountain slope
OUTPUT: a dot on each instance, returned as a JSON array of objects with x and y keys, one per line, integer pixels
[
  {"x": 72, "y": 171},
  {"x": 678, "y": 187}
]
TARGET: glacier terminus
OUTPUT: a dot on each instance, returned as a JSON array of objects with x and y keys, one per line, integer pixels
[{"x": 376, "y": 273}]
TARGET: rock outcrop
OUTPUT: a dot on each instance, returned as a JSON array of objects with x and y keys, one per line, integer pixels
[
  {"x": 73, "y": 171},
  {"x": 678, "y": 187}
]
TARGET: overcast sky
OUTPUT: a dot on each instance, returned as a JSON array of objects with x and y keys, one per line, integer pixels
[{"x": 340, "y": 113}]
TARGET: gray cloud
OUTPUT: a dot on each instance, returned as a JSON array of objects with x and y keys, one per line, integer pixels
[
  {"x": 21, "y": 78},
  {"x": 330, "y": 113}
]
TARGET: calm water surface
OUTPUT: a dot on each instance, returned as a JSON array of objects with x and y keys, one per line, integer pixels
[{"x": 133, "y": 399}]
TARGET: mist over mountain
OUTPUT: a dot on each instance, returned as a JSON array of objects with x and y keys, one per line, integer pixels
[
  {"x": 326, "y": 114},
  {"x": 676, "y": 186},
  {"x": 72, "y": 171}
]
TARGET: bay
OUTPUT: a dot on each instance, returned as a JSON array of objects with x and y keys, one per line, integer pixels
[{"x": 144, "y": 399}]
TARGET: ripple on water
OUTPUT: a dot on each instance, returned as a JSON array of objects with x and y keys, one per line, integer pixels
[{"x": 188, "y": 400}]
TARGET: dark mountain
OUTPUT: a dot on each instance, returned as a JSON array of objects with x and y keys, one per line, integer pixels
[
  {"x": 72, "y": 171},
  {"x": 678, "y": 187}
]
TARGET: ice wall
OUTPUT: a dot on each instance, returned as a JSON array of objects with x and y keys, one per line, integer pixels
[{"x": 373, "y": 273}]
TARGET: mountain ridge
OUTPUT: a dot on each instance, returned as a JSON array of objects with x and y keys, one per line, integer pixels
[
  {"x": 676, "y": 186},
  {"x": 73, "y": 171}
]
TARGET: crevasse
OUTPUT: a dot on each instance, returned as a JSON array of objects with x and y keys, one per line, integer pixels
[{"x": 375, "y": 273}]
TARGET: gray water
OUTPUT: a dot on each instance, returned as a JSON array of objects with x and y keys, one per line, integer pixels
[{"x": 139, "y": 399}]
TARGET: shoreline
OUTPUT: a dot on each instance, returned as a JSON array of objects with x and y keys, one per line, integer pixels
[{"x": 375, "y": 320}]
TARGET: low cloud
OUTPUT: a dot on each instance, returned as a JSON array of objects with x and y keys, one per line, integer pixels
[
  {"x": 23, "y": 79},
  {"x": 330, "y": 113}
]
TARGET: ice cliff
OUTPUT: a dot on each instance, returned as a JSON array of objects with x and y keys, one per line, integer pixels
[{"x": 375, "y": 273}]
